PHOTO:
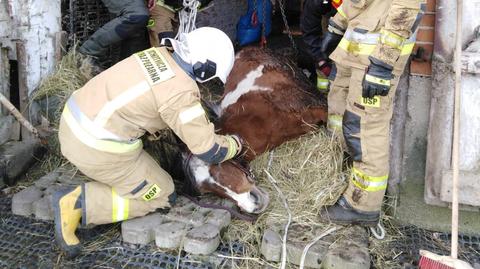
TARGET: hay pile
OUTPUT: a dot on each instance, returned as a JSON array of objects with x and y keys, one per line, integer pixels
[
  {"x": 309, "y": 173},
  {"x": 72, "y": 73}
]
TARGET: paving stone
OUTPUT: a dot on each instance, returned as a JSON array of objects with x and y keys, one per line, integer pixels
[
  {"x": 188, "y": 214},
  {"x": 219, "y": 217},
  {"x": 202, "y": 240},
  {"x": 271, "y": 247},
  {"x": 16, "y": 157},
  {"x": 42, "y": 209},
  {"x": 170, "y": 235},
  {"x": 298, "y": 238},
  {"x": 22, "y": 202},
  {"x": 186, "y": 225},
  {"x": 141, "y": 230},
  {"x": 349, "y": 251},
  {"x": 47, "y": 180}
]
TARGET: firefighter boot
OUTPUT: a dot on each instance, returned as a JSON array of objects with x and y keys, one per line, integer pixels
[
  {"x": 67, "y": 211},
  {"x": 343, "y": 213}
]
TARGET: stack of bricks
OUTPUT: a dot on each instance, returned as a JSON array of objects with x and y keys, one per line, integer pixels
[{"x": 421, "y": 64}]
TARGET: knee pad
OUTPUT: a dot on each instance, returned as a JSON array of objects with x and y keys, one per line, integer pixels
[{"x": 351, "y": 133}]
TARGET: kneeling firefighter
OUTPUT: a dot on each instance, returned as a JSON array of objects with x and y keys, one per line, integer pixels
[
  {"x": 102, "y": 123},
  {"x": 375, "y": 39}
]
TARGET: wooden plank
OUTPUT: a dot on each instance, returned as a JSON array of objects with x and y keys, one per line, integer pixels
[
  {"x": 469, "y": 187},
  {"x": 60, "y": 45},
  {"x": 23, "y": 87},
  {"x": 4, "y": 77}
]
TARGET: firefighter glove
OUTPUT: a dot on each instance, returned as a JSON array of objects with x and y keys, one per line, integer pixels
[
  {"x": 329, "y": 42},
  {"x": 377, "y": 80},
  {"x": 240, "y": 144}
]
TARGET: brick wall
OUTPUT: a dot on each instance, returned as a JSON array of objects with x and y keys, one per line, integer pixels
[{"x": 422, "y": 62}]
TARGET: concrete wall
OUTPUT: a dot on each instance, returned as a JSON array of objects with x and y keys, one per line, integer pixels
[
  {"x": 416, "y": 128},
  {"x": 224, "y": 14}
]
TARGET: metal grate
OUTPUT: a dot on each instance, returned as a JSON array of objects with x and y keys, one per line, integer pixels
[
  {"x": 28, "y": 243},
  {"x": 405, "y": 250},
  {"x": 81, "y": 18}
]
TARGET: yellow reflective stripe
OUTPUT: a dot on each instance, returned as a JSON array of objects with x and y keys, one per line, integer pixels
[
  {"x": 368, "y": 183},
  {"x": 191, "y": 113},
  {"x": 391, "y": 39},
  {"x": 151, "y": 23},
  {"x": 322, "y": 83},
  {"x": 341, "y": 12},
  {"x": 123, "y": 99},
  {"x": 91, "y": 141},
  {"x": 119, "y": 207},
  {"x": 380, "y": 81},
  {"x": 232, "y": 148},
  {"x": 335, "y": 122},
  {"x": 367, "y": 49}
]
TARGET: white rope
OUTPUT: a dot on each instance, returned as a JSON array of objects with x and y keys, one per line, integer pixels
[
  {"x": 378, "y": 231},
  {"x": 307, "y": 247},
  {"x": 187, "y": 17},
  {"x": 285, "y": 204}
]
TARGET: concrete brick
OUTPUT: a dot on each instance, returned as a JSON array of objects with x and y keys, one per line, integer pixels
[
  {"x": 186, "y": 225},
  {"x": 22, "y": 202},
  {"x": 170, "y": 235},
  {"x": 187, "y": 214},
  {"x": 42, "y": 208},
  {"x": 202, "y": 240},
  {"x": 349, "y": 251},
  {"x": 16, "y": 157},
  {"x": 141, "y": 230},
  {"x": 271, "y": 247},
  {"x": 298, "y": 238},
  {"x": 47, "y": 180},
  {"x": 219, "y": 217}
]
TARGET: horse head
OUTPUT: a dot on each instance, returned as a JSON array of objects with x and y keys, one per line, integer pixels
[{"x": 229, "y": 179}]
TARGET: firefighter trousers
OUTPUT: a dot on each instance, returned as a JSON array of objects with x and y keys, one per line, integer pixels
[
  {"x": 129, "y": 25},
  {"x": 364, "y": 126},
  {"x": 126, "y": 185}
]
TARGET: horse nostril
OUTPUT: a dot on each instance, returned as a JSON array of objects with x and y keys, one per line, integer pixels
[
  {"x": 256, "y": 198},
  {"x": 260, "y": 198}
]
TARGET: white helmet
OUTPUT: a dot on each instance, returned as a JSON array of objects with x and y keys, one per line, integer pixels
[{"x": 208, "y": 50}]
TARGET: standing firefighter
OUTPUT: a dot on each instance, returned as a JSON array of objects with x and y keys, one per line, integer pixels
[
  {"x": 128, "y": 26},
  {"x": 162, "y": 18},
  {"x": 375, "y": 39},
  {"x": 102, "y": 123}
]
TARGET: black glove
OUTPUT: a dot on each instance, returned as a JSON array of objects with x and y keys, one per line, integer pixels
[
  {"x": 377, "y": 80},
  {"x": 330, "y": 41}
]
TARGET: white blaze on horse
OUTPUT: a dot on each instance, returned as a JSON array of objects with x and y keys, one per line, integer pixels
[{"x": 267, "y": 102}]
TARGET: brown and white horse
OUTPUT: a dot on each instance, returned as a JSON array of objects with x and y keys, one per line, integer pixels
[{"x": 267, "y": 102}]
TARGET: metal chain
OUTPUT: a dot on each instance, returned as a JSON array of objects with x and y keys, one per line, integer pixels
[
  {"x": 263, "y": 38},
  {"x": 282, "y": 10}
]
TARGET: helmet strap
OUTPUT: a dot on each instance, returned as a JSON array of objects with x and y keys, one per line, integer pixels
[{"x": 206, "y": 70}]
